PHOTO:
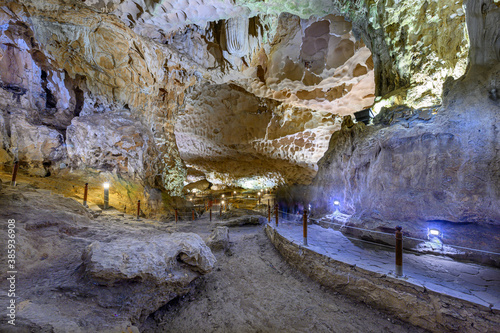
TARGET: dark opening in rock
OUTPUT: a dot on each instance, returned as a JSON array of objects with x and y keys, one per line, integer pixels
[
  {"x": 50, "y": 99},
  {"x": 79, "y": 99}
]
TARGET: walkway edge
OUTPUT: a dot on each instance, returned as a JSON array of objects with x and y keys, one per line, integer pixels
[{"x": 414, "y": 304}]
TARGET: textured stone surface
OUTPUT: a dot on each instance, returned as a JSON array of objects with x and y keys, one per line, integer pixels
[
  {"x": 418, "y": 173},
  {"x": 158, "y": 260},
  {"x": 242, "y": 220},
  {"x": 35, "y": 144},
  {"x": 112, "y": 142},
  {"x": 75, "y": 61},
  {"x": 129, "y": 269},
  {"x": 61, "y": 59},
  {"x": 409, "y": 169},
  {"x": 274, "y": 125},
  {"x": 219, "y": 239}
]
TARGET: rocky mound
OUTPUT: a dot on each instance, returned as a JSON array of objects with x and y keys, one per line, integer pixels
[{"x": 77, "y": 273}]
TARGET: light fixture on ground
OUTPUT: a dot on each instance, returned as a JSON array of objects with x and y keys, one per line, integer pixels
[
  {"x": 434, "y": 234},
  {"x": 106, "y": 195},
  {"x": 435, "y": 237}
]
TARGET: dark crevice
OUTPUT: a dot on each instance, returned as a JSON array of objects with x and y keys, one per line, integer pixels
[
  {"x": 79, "y": 99},
  {"x": 50, "y": 99}
]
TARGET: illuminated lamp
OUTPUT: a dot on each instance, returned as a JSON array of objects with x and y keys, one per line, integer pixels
[
  {"x": 106, "y": 195},
  {"x": 434, "y": 233}
]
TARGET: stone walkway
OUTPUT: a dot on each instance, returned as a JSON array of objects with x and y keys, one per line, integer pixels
[{"x": 472, "y": 282}]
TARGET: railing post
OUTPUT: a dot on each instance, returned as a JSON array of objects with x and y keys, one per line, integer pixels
[
  {"x": 85, "y": 193},
  {"x": 176, "y": 216},
  {"x": 276, "y": 213},
  {"x": 305, "y": 227},
  {"x": 210, "y": 214},
  {"x": 268, "y": 212},
  {"x": 14, "y": 173},
  {"x": 220, "y": 210},
  {"x": 193, "y": 213},
  {"x": 399, "y": 251},
  {"x": 138, "y": 209}
]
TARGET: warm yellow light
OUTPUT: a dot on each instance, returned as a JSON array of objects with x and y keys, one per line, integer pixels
[
  {"x": 223, "y": 195},
  {"x": 222, "y": 202},
  {"x": 106, "y": 185}
]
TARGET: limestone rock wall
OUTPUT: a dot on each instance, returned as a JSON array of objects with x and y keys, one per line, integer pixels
[
  {"x": 429, "y": 165},
  {"x": 60, "y": 64},
  {"x": 112, "y": 142},
  {"x": 326, "y": 59},
  {"x": 293, "y": 95}
]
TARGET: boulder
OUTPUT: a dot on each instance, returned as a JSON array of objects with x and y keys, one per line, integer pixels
[
  {"x": 35, "y": 144},
  {"x": 158, "y": 259},
  {"x": 141, "y": 275},
  {"x": 200, "y": 185},
  {"x": 219, "y": 239},
  {"x": 243, "y": 221}
]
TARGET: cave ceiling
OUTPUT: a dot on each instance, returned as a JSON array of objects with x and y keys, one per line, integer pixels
[{"x": 244, "y": 93}]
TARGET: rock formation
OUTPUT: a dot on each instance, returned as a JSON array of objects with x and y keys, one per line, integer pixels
[
  {"x": 243, "y": 93},
  {"x": 80, "y": 62},
  {"x": 105, "y": 274},
  {"x": 427, "y": 166},
  {"x": 165, "y": 95}
]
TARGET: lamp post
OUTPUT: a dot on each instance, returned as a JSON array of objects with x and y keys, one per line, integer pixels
[
  {"x": 336, "y": 203},
  {"x": 259, "y": 197},
  {"x": 106, "y": 195}
]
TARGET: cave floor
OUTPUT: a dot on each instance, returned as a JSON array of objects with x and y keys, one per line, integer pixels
[
  {"x": 472, "y": 282},
  {"x": 253, "y": 289}
]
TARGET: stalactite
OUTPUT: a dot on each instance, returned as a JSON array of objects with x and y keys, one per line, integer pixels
[{"x": 236, "y": 33}]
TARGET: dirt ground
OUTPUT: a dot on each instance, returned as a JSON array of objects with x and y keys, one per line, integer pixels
[{"x": 252, "y": 289}]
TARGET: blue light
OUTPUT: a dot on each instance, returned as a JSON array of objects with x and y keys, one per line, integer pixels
[{"x": 434, "y": 234}]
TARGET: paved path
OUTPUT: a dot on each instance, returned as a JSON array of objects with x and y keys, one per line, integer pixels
[{"x": 472, "y": 282}]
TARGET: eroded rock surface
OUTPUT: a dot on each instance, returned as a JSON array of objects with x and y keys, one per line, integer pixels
[
  {"x": 84, "y": 274},
  {"x": 415, "y": 170},
  {"x": 219, "y": 238},
  {"x": 242, "y": 221},
  {"x": 79, "y": 58}
]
